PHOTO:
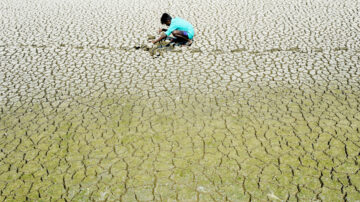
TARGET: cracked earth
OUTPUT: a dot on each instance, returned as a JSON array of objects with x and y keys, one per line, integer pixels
[{"x": 264, "y": 106}]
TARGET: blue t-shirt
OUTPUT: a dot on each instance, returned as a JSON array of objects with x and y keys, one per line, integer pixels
[{"x": 182, "y": 25}]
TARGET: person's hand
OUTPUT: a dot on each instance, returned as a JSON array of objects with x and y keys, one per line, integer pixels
[
  {"x": 160, "y": 30},
  {"x": 153, "y": 41}
]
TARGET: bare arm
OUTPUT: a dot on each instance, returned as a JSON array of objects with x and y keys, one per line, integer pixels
[
  {"x": 162, "y": 30},
  {"x": 163, "y": 36}
]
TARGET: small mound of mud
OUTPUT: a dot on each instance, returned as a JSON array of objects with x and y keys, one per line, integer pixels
[
  {"x": 157, "y": 49},
  {"x": 160, "y": 47}
]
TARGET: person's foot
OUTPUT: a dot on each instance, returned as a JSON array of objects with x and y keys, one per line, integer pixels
[
  {"x": 189, "y": 42},
  {"x": 173, "y": 40}
]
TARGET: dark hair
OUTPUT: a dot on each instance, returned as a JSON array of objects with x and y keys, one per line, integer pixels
[{"x": 165, "y": 17}]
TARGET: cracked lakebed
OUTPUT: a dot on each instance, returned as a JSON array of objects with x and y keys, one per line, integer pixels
[{"x": 290, "y": 143}]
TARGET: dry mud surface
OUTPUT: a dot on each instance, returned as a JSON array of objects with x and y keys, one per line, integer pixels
[{"x": 265, "y": 105}]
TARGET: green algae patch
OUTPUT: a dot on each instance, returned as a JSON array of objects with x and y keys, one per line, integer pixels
[{"x": 207, "y": 146}]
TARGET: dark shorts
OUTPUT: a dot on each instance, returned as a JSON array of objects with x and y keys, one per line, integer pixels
[{"x": 185, "y": 33}]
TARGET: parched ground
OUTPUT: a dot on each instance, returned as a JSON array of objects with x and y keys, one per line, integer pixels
[{"x": 264, "y": 106}]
